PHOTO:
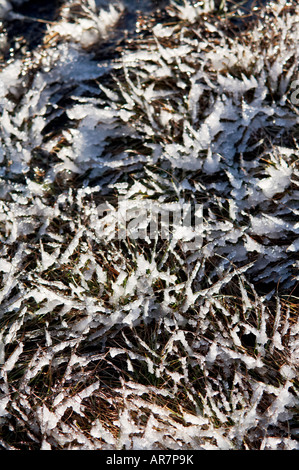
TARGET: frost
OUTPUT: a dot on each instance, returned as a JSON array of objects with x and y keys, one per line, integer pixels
[
  {"x": 149, "y": 232},
  {"x": 5, "y": 8},
  {"x": 94, "y": 27},
  {"x": 191, "y": 12},
  {"x": 279, "y": 179},
  {"x": 270, "y": 226}
]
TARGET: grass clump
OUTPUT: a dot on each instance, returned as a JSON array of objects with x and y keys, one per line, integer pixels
[{"x": 127, "y": 322}]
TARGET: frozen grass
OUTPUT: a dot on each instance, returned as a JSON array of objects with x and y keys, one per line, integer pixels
[{"x": 134, "y": 342}]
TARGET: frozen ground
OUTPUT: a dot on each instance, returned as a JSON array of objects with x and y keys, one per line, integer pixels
[{"x": 149, "y": 228}]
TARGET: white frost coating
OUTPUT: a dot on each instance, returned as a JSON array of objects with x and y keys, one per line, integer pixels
[
  {"x": 212, "y": 354},
  {"x": 5, "y": 8},
  {"x": 270, "y": 226},
  {"x": 13, "y": 358},
  {"x": 163, "y": 32},
  {"x": 72, "y": 246},
  {"x": 279, "y": 179},
  {"x": 294, "y": 246},
  {"x": 92, "y": 29},
  {"x": 191, "y": 12},
  {"x": 3, "y": 404},
  {"x": 211, "y": 164},
  {"x": 99, "y": 431},
  {"x": 123, "y": 323},
  {"x": 48, "y": 419},
  {"x": 5, "y": 266}
]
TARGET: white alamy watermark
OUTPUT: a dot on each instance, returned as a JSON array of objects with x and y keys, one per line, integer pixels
[
  {"x": 2, "y": 349},
  {"x": 148, "y": 220},
  {"x": 295, "y": 94}
]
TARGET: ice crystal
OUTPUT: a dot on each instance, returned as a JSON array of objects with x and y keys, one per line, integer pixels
[{"x": 149, "y": 233}]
